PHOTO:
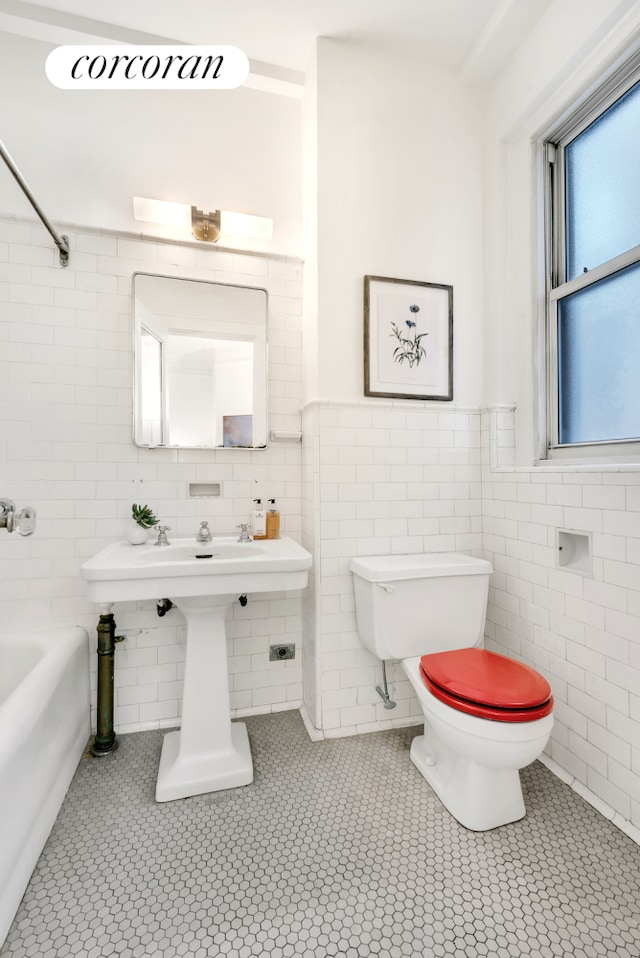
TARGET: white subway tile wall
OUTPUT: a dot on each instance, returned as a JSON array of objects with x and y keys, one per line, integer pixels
[
  {"x": 66, "y": 449},
  {"x": 581, "y": 631},
  {"x": 310, "y": 597},
  {"x": 380, "y": 477},
  {"x": 370, "y": 477}
]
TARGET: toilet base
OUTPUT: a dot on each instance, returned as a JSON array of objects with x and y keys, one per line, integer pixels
[{"x": 479, "y": 797}]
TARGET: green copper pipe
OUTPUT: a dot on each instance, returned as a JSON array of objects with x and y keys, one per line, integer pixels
[{"x": 105, "y": 739}]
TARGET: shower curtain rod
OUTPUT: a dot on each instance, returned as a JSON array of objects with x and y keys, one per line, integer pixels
[{"x": 62, "y": 242}]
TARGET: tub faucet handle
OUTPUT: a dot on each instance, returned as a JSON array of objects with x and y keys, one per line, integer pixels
[{"x": 24, "y": 523}]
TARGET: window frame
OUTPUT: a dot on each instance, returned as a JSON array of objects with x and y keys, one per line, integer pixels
[{"x": 552, "y": 147}]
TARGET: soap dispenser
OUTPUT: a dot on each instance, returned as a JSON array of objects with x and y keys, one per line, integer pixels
[
  {"x": 259, "y": 521},
  {"x": 273, "y": 521}
]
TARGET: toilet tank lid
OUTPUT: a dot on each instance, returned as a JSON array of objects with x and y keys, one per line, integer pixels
[{"x": 418, "y": 566}]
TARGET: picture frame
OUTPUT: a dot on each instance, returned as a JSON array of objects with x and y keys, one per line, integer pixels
[{"x": 408, "y": 339}]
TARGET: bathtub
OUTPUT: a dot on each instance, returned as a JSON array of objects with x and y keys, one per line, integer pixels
[{"x": 44, "y": 726}]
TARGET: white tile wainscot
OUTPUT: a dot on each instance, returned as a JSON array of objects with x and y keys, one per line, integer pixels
[
  {"x": 379, "y": 477},
  {"x": 66, "y": 391},
  {"x": 582, "y": 632}
]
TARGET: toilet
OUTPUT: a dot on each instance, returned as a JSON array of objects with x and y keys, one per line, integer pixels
[{"x": 485, "y": 716}]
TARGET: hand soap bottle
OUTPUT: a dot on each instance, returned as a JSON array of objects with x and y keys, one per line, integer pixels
[
  {"x": 259, "y": 521},
  {"x": 273, "y": 521}
]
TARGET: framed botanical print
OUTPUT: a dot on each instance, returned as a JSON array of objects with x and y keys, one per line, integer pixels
[{"x": 408, "y": 339}]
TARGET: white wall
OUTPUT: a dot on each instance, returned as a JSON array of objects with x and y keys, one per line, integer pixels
[
  {"x": 66, "y": 448},
  {"x": 394, "y": 182},
  {"x": 583, "y": 632},
  {"x": 398, "y": 194},
  {"x": 397, "y": 184},
  {"x": 563, "y": 57},
  {"x": 85, "y": 154},
  {"x": 387, "y": 477},
  {"x": 66, "y": 363}
]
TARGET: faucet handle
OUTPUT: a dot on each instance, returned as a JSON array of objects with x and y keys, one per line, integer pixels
[
  {"x": 162, "y": 536},
  {"x": 26, "y": 521},
  {"x": 244, "y": 532}
]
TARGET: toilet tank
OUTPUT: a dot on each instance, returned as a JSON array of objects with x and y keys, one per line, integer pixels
[{"x": 409, "y": 605}]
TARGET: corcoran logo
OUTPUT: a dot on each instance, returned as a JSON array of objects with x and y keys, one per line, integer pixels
[{"x": 119, "y": 67}]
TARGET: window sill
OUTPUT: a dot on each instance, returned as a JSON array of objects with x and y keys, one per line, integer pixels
[
  {"x": 502, "y": 451},
  {"x": 567, "y": 465}
]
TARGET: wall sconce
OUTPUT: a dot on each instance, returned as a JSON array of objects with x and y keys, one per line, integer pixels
[{"x": 205, "y": 226}]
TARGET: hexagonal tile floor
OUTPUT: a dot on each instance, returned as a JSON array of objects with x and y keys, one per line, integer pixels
[{"x": 338, "y": 848}]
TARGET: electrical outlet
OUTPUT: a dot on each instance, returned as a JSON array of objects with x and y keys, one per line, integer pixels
[{"x": 279, "y": 653}]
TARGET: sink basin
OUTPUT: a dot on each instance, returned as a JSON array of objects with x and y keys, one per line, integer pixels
[
  {"x": 202, "y": 551},
  {"x": 203, "y": 579},
  {"x": 123, "y": 573}
]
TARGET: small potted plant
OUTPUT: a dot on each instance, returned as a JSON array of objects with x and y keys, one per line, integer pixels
[{"x": 142, "y": 519}]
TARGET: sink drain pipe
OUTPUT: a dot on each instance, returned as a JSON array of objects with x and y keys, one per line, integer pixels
[{"x": 105, "y": 740}]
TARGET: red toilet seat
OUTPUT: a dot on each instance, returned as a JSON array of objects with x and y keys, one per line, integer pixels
[{"x": 486, "y": 684}]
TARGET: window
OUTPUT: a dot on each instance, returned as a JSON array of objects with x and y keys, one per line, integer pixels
[{"x": 593, "y": 283}]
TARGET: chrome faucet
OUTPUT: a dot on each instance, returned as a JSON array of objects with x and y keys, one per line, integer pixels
[
  {"x": 244, "y": 532},
  {"x": 162, "y": 536},
  {"x": 24, "y": 522},
  {"x": 204, "y": 533}
]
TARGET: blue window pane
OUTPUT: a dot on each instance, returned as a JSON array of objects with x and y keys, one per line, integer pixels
[
  {"x": 599, "y": 360},
  {"x": 603, "y": 187}
]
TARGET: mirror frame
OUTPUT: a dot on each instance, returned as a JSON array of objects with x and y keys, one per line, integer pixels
[{"x": 136, "y": 324}]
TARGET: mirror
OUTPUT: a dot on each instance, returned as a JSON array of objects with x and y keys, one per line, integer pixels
[{"x": 200, "y": 364}]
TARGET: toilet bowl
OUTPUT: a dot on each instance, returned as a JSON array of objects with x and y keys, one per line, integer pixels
[
  {"x": 472, "y": 762},
  {"x": 486, "y": 716}
]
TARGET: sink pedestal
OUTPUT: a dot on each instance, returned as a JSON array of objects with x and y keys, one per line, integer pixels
[{"x": 209, "y": 752}]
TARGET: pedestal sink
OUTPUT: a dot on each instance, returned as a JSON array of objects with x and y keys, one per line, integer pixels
[{"x": 209, "y": 752}]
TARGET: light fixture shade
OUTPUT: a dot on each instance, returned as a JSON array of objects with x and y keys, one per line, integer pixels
[
  {"x": 241, "y": 224},
  {"x": 207, "y": 227},
  {"x": 161, "y": 211}
]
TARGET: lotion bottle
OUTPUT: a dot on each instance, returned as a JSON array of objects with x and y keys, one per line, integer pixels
[
  {"x": 259, "y": 521},
  {"x": 273, "y": 521}
]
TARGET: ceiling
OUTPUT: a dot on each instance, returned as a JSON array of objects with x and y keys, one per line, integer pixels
[{"x": 473, "y": 37}]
